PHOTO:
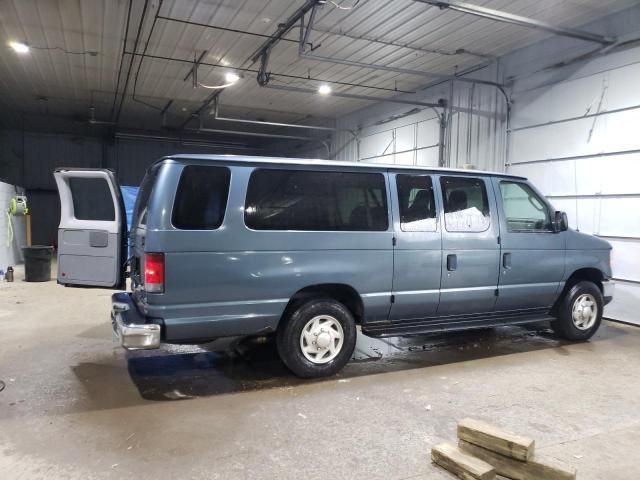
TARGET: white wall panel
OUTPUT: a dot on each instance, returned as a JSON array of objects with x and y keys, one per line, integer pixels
[
  {"x": 585, "y": 176},
  {"x": 11, "y": 253},
  {"x": 610, "y": 90},
  {"x": 427, "y": 157},
  {"x": 588, "y": 166},
  {"x": 626, "y": 259},
  {"x": 402, "y": 142},
  {"x": 428, "y": 133},
  {"x": 610, "y": 133},
  {"x": 405, "y": 138},
  {"x": 617, "y": 217},
  {"x": 405, "y": 158},
  {"x": 376, "y": 145}
]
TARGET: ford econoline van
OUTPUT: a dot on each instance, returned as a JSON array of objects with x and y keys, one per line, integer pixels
[{"x": 309, "y": 250}]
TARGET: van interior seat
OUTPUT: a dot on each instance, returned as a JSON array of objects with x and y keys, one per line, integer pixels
[
  {"x": 359, "y": 219},
  {"x": 421, "y": 207},
  {"x": 457, "y": 201}
]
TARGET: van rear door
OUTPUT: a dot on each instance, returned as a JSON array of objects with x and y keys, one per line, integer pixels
[{"x": 92, "y": 234}]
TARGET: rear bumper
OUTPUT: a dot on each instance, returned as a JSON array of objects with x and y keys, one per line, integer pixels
[
  {"x": 608, "y": 289},
  {"x": 131, "y": 327}
]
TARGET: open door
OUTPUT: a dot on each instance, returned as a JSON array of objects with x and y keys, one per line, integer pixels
[{"x": 92, "y": 234}]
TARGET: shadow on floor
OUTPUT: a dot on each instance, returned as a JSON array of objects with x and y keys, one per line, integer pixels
[{"x": 243, "y": 365}]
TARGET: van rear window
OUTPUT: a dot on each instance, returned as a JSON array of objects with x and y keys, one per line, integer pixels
[
  {"x": 92, "y": 199},
  {"x": 201, "y": 198},
  {"x": 316, "y": 200}
]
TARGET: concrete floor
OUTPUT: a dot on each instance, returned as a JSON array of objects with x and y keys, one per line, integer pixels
[{"x": 76, "y": 406}]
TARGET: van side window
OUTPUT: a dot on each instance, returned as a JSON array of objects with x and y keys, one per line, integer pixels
[
  {"x": 201, "y": 198},
  {"x": 466, "y": 207},
  {"x": 142, "y": 200},
  {"x": 524, "y": 210},
  {"x": 416, "y": 202},
  {"x": 92, "y": 199},
  {"x": 316, "y": 200}
]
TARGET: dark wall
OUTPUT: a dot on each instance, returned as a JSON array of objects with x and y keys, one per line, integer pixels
[{"x": 28, "y": 159}]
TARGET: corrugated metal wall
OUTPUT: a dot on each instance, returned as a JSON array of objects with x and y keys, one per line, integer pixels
[{"x": 391, "y": 133}]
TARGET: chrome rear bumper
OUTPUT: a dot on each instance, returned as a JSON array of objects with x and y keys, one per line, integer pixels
[{"x": 132, "y": 335}]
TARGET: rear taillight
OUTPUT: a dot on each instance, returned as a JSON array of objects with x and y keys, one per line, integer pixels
[{"x": 154, "y": 272}]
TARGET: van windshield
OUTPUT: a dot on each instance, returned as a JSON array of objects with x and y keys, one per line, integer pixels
[{"x": 142, "y": 202}]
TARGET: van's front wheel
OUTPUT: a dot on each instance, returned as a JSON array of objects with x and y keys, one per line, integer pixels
[
  {"x": 580, "y": 312},
  {"x": 317, "y": 339}
]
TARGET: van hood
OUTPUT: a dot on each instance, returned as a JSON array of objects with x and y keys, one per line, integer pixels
[{"x": 583, "y": 241}]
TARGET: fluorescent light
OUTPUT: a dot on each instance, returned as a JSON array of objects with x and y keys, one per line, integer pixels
[
  {"x": 231, "y": 77},
  {"x": 19, "y": 47},
  {"x": 324, "y": 89}
]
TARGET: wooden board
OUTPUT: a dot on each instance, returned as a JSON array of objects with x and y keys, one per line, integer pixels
[
  {"x": 492, "y": 438},
  {"x": 537, "y": 468},
  {"x": 465, "y": 466}
]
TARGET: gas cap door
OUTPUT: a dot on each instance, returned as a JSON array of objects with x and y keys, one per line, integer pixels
[{"x": 92, "y": 234}]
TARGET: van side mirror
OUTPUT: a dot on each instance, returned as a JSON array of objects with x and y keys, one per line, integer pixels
[{"x": 560, "y": 222}]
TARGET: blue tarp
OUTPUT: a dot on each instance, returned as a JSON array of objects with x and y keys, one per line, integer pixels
[{"x": 129, "y": 195}]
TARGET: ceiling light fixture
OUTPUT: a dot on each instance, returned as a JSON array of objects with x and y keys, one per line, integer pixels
[
  {"x": 19, "y": 47},
  {"x": 324, "y": 89},
  {"x": 231, "y": 77}
]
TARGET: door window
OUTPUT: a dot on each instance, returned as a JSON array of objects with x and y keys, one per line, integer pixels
[
  {"x": 417, "y": 203},
  {"x": 466, "y": 206},
  {"x": 524, "y": 210},
  {"x": 92, "y": 199},
  {"x": 201, "y": 199},
  {"x": 321, "y": 201}
]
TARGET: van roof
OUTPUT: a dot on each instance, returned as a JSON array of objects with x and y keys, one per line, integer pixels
[{"x": 240, "y": 159}]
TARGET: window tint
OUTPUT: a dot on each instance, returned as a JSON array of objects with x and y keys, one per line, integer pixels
[
  {"x": 417, "y": 203},
  {"x": 306, "y": 200},
  {"x": 524, "y": 209},
  {"x": 92, "y": 199},
  {"x": 142, "y": 201},
  {"x": 201, "y": 199},
  {"x": 466, "y": 208}
]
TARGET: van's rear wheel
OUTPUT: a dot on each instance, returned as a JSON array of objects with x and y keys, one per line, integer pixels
[
  {"x": 580, "y": 312},
  {"x": 317, "y": 339}
]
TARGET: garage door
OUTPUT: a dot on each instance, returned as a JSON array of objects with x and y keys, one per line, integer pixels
[{"x": 577, "y": 140}]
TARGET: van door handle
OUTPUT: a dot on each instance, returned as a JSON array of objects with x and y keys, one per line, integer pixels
[
  {"x": 452, "y": 262},
  {"x": 506, "y": 260}
]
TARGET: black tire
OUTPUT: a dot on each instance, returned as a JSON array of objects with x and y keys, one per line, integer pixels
[
  {"x": 565, "y": 326},
  {"x": 290, "y": 331}
]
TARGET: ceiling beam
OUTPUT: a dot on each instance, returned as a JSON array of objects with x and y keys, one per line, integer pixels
[
  {"x": 358, "y": 97},
  {"x": 223, "y": 29},
  {"x": 504, "y": 17},
  {"x": 282, "y": 30},
  {"x": 274, "y": 74},
  {"x": 406, "y": 71},
  {"x": 194, "y": 70}
]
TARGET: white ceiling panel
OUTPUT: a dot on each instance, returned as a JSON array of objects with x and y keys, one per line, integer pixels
[{"x": 76, "y": 53}]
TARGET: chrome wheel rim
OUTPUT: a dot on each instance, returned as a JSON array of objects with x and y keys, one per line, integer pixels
[
  {"x": 584, "y": 312},
  {"x": 321, "y": 339}
]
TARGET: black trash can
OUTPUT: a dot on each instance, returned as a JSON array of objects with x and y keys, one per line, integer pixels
[{"x": 37, "y": 263}]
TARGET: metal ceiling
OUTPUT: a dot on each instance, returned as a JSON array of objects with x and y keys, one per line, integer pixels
[{"x": 77, "y": 50}]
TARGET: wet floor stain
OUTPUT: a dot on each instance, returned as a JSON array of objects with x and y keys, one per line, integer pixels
[{"x": 184, "y": 372}]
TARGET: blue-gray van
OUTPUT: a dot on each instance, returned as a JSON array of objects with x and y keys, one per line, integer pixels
[{"x": 308, "y": 250}]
